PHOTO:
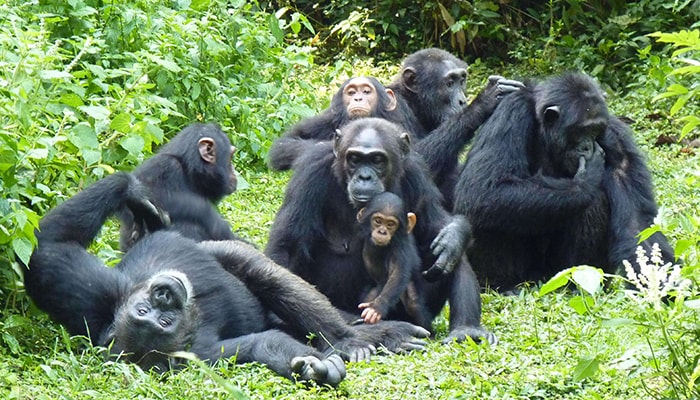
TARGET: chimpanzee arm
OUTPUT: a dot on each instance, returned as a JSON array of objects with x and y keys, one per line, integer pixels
[
  {"x": 497, "y": 188},
  {"x": 300, "y": 137},
  {"x": 441, "y": 147},
  {"x": 299, "y": 221},
  {"x": 399, "y": 276},
  {"x": 64, "y": 280},
  {"x": 628, "y": 186}
]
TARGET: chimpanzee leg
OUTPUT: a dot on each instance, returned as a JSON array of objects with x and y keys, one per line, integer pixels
[
  {"x": 465, "y": 306},
  {"x": 281, "y": 353}
]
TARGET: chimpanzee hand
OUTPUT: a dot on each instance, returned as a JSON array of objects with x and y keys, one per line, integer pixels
[
  {"x": 147, "y": 216},
  {"x": 448, "y": 246},
  {"x": 330, "y": 370},
  {"x": 591, "y": 171},
  {"x": 477, "y": 334},
  {"x": 394, "y": 336},
  {"x": 493, "y": 93}
]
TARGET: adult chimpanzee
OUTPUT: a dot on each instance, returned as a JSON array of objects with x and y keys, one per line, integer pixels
[
  {"x": 552, "y": 181},
  {"x": 170, "y": 294},
  {"x": 431, "y": 84},
  {"x": 391, "y": 258},
  {"x": 187, "y": 178},
  {"x": 357, "y": 98},
  {"x": 314, "y": 232}
]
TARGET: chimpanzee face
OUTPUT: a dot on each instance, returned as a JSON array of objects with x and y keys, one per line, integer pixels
[
  {"x": 155, "y": 320},
  {"x": 369, "y": 158},
  {"x": 360, "y": 98},
  {"x": 366, "y": 165}
]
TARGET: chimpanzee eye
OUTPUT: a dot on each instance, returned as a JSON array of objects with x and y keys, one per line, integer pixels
[
  {"x": 142, "y": 311},
  {"x": 377, "y": 221},
  {"x": 378, "y": 159},
  {"x": 164, "y": 322}
]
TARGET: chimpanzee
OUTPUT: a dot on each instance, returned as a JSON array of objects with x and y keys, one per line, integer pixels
[
  {"x": 171, "y": 294},
  {"x": 553, "y": 181},
  {"x": 314, "y": 232},
  {"x": 186, "y": 178},
  {"x": 431, "y": 84},
  {"x": 357, "y": 97},
  {"x": 391, "y": 258}
]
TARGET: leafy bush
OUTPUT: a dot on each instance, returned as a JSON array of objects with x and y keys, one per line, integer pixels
[
  {"x": 687, "y": 53},
  {"x": 87, "y": 87}
]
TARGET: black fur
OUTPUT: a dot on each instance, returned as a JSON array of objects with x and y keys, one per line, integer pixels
[
  {"x": 169, "y": 294},
  {"x": 186, "y": 187},
  {"x": 547, "y": 188},
  {"x": 314, "y": 231}
]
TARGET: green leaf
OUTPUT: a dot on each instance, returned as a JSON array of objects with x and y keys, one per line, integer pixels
[
  {"x": 121, "y": 123},
  {"x": 586, "y": 368},
  {"x": 53, "y": 74},
  {"x": 22, "y": 248},
  {"x": 275, "y": 28},
  {"x": 588, "y": 278},
  {"x": 133, "y": 144},
  {"x": 97, "y": 112},
  {"x": 581, "y": 304},
  {"x": 200, "y": 5},
  {"x": 557, "y": 281},
  {"x": 83, "y": 137}
]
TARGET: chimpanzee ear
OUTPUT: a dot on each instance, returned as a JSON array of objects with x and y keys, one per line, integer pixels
[
  {"x": 411, "y": 218},
  {"x": 392, "y": 100},
  {"x": 207, "y": 149},
  {"x": 360, "y": 214},
  {"x": 409, "y": 79},
  {"x": 336, "y": 141},
  {"x": 405, "y": 144},
  {"x": 551, "y": 115}
]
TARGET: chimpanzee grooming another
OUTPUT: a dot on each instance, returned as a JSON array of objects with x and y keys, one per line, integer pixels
[
  {"x": 357, "y": 98},
  {"x": 432, "y": 84},
  {"x": 187, "y": 178},
  {"x": 171, "y": 294},
  {"x": 553, "y": 181},
  {"x": 391, "y": 258},
  {"x": 314, "y": 232}
]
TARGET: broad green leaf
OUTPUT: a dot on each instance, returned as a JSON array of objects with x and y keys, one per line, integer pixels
[
  {"x": 121, "y": 123},
  {"x": 581, "y": 304},
  {"x": 588, "y": 278},
  {"x": 83, "y": 137},
  {"x": 22, "y": 248},
  {"x": 133, "y": 144},
  {"x": 557, "y": 281},
  {"x": 53, "y": 74},
  {"x": 586, "y": 368},
  {"x": 96, "y": 112}
]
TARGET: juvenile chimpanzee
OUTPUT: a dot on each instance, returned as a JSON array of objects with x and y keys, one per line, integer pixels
[
  {"x": 553, "y": 181},
  {"x": 171, "y": 294},
  {"x": 391, "y": 258},
  {"x": 357, "y": 98},
  {"x": 187, "y": 178},
  {"x": 432, "y": 84},
  {"x": 314, "y": 232}
]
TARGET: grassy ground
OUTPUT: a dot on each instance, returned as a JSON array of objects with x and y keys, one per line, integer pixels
[{"x": 542, "y": 339}]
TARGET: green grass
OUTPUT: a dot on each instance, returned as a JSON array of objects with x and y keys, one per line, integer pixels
[{"x": 542, "y": 339}]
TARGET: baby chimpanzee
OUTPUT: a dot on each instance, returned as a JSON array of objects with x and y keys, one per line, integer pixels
[{"x": 391, "y": 257}]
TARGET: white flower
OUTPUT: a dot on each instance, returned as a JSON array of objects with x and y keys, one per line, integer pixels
[{"x": 654, "y": 282}]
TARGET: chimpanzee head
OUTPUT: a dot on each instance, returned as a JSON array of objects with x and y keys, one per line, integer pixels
[
  {"x": 435, "y": 80},
  {"x": 205, "y": 153},
  {"x": 158, "y": 318},
  {"x": 572, "y": 114},
  {"x": 369, "y": 155},
  {"x": 384, "y": 217},
  {"x": 363, "y": 97}
]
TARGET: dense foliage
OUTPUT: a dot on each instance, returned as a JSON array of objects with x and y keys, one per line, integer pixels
[
  {"x": 601, "y": 37},
  {"x": 88, "y": 87}
]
